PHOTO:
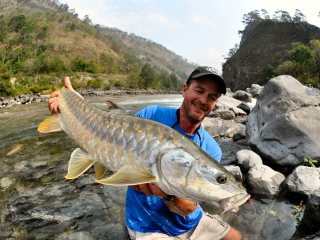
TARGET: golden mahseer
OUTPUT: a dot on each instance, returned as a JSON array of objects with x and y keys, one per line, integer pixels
[{"x": 140, "y": 151}]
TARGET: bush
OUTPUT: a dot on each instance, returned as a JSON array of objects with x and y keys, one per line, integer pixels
[
  {"x": 96, "y": 83},
  {"x": 80, "y": 65}
]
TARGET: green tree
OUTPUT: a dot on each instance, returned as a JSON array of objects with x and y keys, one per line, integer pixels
[
  {"x": 302, "y": 55},
  {"x": 282, "y": 16},
  {"x": 147, "y": 75},
  {"x": 298, "y": 16}
]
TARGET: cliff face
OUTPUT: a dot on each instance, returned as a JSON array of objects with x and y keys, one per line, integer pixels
[{"x": 265, "y": 43}]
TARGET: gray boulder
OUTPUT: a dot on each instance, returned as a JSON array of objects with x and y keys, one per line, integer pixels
[
  {"x": 242, "y": 96},
  {"x": 264, "y": 181},
  {"x": 235, "y": 171},
  {"x": 230, "y": 103},
  {"x": 284, "y": 126},
  {"x": 304, "y": 180},
  {"x": 248, "y": 159},
  {"x": 311, "y": 217},
  {"x": 255, "y": 90},
  {"x": 224, "y": 128}
]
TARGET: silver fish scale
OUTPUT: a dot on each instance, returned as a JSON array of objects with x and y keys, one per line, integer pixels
[{"x": 112, "y": 138}]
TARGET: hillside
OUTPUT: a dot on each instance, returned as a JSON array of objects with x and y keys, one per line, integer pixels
[
  {"x": 264, "y": 45},
  {"x": 43, "y": 40}
]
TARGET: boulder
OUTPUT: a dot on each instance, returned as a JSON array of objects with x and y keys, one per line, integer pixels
[
  {"x": 311, "y": 217},
  {"x": 230, "y": 103},
  {"x": 254, "y": 90},
  {"x": 223, "y": 114},
  {"x": 242, "y": 96},
  {"x": 229, "y": 149},
  {"x": 304, "y": 180},
  {"x": 264, "y": 181},
  {"x": 284, "y": 126},
  {"x": 235, "y": 171},
  {"x": 217, "y": 127},
  {"x": 248, "y": 159}
]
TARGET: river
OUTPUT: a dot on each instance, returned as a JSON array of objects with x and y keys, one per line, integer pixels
[{"x": 36, "y": 202}]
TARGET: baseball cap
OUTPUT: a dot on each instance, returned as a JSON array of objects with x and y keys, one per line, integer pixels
[{"x": 209, "y": 73}]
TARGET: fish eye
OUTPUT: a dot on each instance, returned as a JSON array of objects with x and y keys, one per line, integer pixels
[{"x": 222, "y": 178}]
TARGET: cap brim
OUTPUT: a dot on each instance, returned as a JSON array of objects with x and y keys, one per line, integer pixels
[{"x": 214, "y": 77}]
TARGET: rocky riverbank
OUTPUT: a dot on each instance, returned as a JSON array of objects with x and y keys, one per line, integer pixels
[{"x": 36, "y": 98}]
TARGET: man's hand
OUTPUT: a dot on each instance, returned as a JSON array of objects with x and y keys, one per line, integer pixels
[
  {"x": 178, "y": 205},
  {"x": 53, "y": 102}
]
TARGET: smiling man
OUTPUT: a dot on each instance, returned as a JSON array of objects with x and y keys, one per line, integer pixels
[{"x": 151, "y": 213}]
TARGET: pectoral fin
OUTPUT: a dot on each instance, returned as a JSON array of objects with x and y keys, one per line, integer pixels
[
  {"x": 78, "y": 164},
  {"x": 50, "y": 124},
  {"x": 126, "y": 176},
  {"x": 100, "y": 170}
]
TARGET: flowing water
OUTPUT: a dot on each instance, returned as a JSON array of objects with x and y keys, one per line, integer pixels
[{"x": 36, "y": 202}]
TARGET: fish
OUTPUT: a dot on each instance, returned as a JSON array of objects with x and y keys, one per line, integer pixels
[{"x": 138, "y": 151}]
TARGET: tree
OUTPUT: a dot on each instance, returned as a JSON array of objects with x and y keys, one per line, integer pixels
[
  {"x": 265, "y": 14},
  {"x": 302, "y": 55},
  {"x": 282, "y": 16},
  {"x": 232, "y": 51},
  {"x": 298, "y": 16},
  {"x": 147, "y": 75},
  {"x": 251, "y": 17},
  {"x": 16, "y": 23},
  {"x": 87, "y": 20}
]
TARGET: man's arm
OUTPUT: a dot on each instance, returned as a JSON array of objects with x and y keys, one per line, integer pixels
[{"x": 178, "y": 205}]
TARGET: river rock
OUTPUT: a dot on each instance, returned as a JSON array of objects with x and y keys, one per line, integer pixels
[
  {"x": 284, "y": 126},
  {"x": 223, "y": 114},
  {"x": 224, "y": 128},
  {"x": 245, "y": 107},
  {"x": 6, "y": 182},
  {"x": 248, "y": 159},
  {"x": 265, "y": 181},
  {"x": 242, "y": 96},
  {"x": 255, "y": 90},
  {"x": 311, "y": 217},
  {"x": 229, "y": 149},
  {"x": 235, "y": 171},
  {"x": 230, "y": 103},
  {"x": 304, "y": 180}
]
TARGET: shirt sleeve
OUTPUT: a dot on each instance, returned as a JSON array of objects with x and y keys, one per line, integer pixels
[
  {"x": 147, "y": 112},
  {"x": 214, "y": 150}
]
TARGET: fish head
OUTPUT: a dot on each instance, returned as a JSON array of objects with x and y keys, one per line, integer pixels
[{"x": 198, "y": 177}]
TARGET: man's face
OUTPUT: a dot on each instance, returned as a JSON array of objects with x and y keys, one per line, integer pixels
[{"x": 200, "y": 97}]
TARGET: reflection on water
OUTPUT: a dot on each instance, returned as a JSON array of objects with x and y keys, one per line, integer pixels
[{"x": 36, "y": 202}]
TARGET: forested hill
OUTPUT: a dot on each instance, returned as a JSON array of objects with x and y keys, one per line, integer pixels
[
  {"x": 43, "y": 40},
  {"x": 271, "y": 47}
]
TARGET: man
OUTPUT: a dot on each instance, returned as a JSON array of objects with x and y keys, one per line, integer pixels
[{"x": 151, "y": 213}]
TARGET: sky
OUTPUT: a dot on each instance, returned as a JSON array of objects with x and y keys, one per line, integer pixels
[{"x": 201, "y": 31}]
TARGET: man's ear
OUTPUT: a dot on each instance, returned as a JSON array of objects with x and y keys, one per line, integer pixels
[{"x": 184, "y": 89}]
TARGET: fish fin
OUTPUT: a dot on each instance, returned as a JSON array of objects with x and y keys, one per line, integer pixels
[
  {"x": 50, "y": 124},
  {"x": 126, "y": 176},
  {"x": 100, "y": 170},
  {"x": 78, "y": 164},
  {"x": 112, "y": 105}
]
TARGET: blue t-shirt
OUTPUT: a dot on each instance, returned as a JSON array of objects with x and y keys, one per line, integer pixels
[{"x": 149, "y": 213}]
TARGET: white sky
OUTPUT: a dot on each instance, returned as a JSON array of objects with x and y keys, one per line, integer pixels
[{"x": 201, "y": 31}]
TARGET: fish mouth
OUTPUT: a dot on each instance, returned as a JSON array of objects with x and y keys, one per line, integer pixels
[{"x": 233, "y": 203}]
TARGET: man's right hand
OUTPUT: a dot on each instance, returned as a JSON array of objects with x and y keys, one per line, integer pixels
[
  {"x": 179, "y": 205},
  {"x": 53, "y": 102}
]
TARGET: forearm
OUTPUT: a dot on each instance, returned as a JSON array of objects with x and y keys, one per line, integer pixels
[{"x": 181, "y": 206}]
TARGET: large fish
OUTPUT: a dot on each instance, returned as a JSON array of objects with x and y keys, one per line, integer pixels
[{"x": 140, "y": 151}]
